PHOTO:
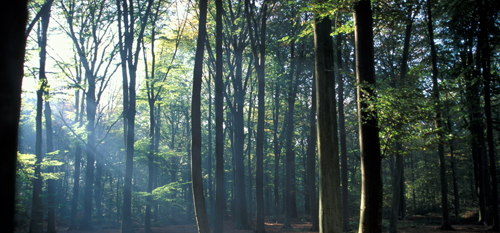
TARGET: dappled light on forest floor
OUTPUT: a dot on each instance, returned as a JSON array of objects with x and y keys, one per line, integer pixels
[{"x": 410, "y": 226}]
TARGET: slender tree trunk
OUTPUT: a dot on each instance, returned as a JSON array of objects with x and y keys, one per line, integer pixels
[
  {"x": 78, "y": 156},
  {"x": 277, "y": 151},
  {"x": 371, "y": 176},
  {"x": 197, "y": 179},
  {"x": 311, "y": 163},
  {"x": 330, "y": 208},
  {"x": 289, "y": 175},
  {"x": 438, "y": 122},
  {"x": 452, "y": 166},
  {"x": 398, "y": 172},
  {"x": 37, "y": 207},
  {"x": 343, "y": 143},
  {"x": 51, "y": 183},
  {"x": 396, "y": 189},
  {"x": 220, "y": 201},
  {"x": 258, "y": 44},
  {"x": 249, "y": 148}
]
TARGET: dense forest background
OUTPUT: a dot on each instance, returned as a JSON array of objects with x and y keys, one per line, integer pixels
[{"x": 106, "y": 129}]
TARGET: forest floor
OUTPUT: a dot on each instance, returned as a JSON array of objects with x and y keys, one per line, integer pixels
[{"x": 414, "y": 224}]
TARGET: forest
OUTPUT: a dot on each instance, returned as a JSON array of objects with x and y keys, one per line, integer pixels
[{"x": 343, "y": 115}]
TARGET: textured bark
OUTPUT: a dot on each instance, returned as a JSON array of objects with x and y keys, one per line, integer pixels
[
  {"x": 371, "y": 176},
  {"x": 330, "y": 208}
]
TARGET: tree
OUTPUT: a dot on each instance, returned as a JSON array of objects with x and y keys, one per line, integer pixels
[
  {"x": 258, "y": 43},
  {"x": 51, "y": 183},
  {"x": 483, "y": 44},
  {"x": 129, "y": 60},
  {"x": 37, "y": 207},
  {"x": 371, "y": 176},
  {"x": 220, "y": 202},
  {"x": 198, "y": 198},
  {"x": 398, "y": 171},
  {"x": 342, "y": 133},
  {"x": 311, "y": 160},
  {"x": 87, "y": 40},
  {"x": 13, "y": 17},
  {"x": 330, "y": 208},
  {"x": 438, "y": 123}
]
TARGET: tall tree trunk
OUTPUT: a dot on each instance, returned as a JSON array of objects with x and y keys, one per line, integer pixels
[
  {"x": 37, "y": 207},
  {"x": 51, "y": 183},
  {"x": 311, "y": 161},
  {"x": 13, "y": 17},
  {"x": 438, "y": 123},
  {"x": 98, "y": 187},
  {"x": 249, "y": 148},
  {"x": 330, "y": 208},
  {"x": 486, "y": 69},
  {"x": 289, "y": 175},
  {"x": 129, "y": 59},
  {"x": 371, "y": 175},
  {"x": 220, "y": 201},
  {"x": 343, "y": 143},
  {"x": 258, "y": 44},
  {"x": 452, "y": 166},
  {"x": 78, "y": 155},
  {"x": 398, "y": 172},
  {"x": 396, "y": 189},
  {"x": 277, "y": 151},
  {"x": 198, "y": 198}
]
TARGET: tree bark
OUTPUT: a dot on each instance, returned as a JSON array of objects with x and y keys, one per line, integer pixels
[
  {"x": 129, "y": 59},
  {"x": 371, "y": 176},
  {"x": 311, "y": 161},
  {"x": 51, "y": 183},
  {"x": 343, "y": 143},
  {"x": 330, "y": 208},
  {"x": 37, "y": 206},
  {"x": 438, "y": 123},
  {"x": 196, "y": 173},
  {"x": 220, "y": 202},
  {"x": 13, "y": 17},
  {"x": 486, "y": 69},
  {"x": 258, "y": 44}
]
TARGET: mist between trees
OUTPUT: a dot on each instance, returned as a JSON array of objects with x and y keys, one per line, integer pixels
[{"x": 350, "y": 115}]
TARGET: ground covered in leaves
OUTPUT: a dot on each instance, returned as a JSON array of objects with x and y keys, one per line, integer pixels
[{"x": 415, "y": 224}]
